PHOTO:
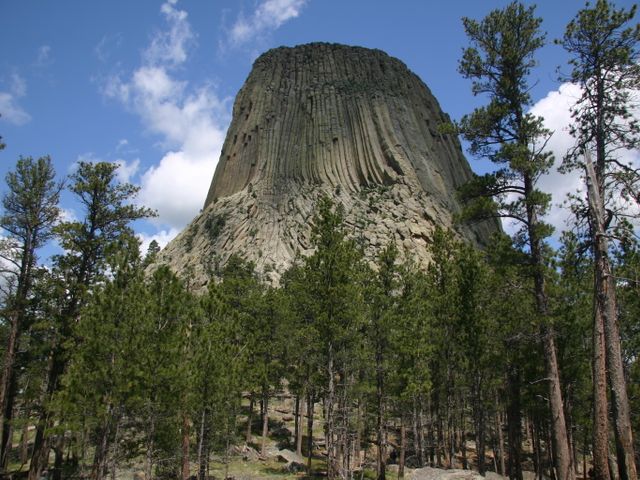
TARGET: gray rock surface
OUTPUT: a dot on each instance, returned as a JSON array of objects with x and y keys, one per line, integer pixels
[
  {"x": 428, "y": 473},
  {"x": 349, "y": 122}
]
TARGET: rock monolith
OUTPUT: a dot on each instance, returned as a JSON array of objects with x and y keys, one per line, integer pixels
[{"x": 325, "y": 119}]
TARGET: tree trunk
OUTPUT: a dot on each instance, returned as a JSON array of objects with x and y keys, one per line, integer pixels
[
  {"x": 606, "y": 305},
  {"x": 479, "y": 419},
  {"x": 500, "y": 438},
  {"x": 58, "y": 450},
  {"x": 202, "y": 440},
  {"x": 17, "y": 307},
  {"x": 114, "y": 456},
  {"x": 619, "y": 400},
  {"x": 300, "y": 418},
  {"x": 403, "y": 446},
  {"x": 563, "y": 457},
  {"x": 186, "y": 471},
  {"x": 359, "y": 434},
  {"x": 249, "y": 420},
  {"x": 24, "y": 440},
  {"x": 5, "y": 385},
  {"x": 381, "y": 434},
  {"x": 309, "y": 432},
  {"x": 7, "y": 433},
  {"x": 329, "y": 416},
  {"x": 148, "y": 471},
  {"x": 514, "y": 424},
  {"x": 55, "y": 370},
  {"x": 296, "y": 419},
  {"x": 421, "y": 441},
  {"x": 102, "y": 447},
  {"x": 537, "y": 454},
  {"x": 440, "y": 441},
  {"x": 551, "y": 453},
  {"x": 585, "y": 452},
  {"x": 600, "y": 403},
  {"x": 265, "y": 423}
]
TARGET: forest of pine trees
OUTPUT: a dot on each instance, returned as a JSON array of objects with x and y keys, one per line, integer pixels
[{"x": 523, "y": 356}]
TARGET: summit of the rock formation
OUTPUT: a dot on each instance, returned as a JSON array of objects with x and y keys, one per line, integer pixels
[{"x": 350, "y": 122}]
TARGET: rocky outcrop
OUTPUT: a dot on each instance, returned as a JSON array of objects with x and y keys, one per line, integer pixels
[
  {"x": 428, "y": 473},
  {"x": 317, "y": 119}
]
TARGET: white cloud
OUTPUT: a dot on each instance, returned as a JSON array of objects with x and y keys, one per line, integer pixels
[
  {"x": 191, "y": 122},
  {"x": 169, "y": 48},
  {"x": 268, "y": 16},
  {"x": 68, "y": 215},
  {"x": 162, "y": 237},
  {"x": 126, "y": 170},
  {"x": 555, "y": 108},
  {"x": 18, "y": 85},
  {"x": 10, "y": 110}
]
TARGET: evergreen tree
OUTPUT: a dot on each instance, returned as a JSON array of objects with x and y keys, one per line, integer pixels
[
  {"x": 478, "y": 342},
  {"x": 220, "y": 363},
  {"x": 30, "y": 212},
  {"x": 412, "y": 341},
  {"x": 305, "y": 372},
  {"x": 573, "y": 294},
  {"x": 384, "y": 319},
  {"x": 500, "y": 62},
  {"x": 603, "y": 44},
  {"x": 445, "y": 369},
  {"x": 510, "y": 285},
  {"x": 335, "y": 299},
  {"x": 86, "y": 243},
  {"x": 103, "y": 382},
  {"x": 627, "y": 270}
]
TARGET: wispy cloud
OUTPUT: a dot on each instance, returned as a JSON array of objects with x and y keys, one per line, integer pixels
[
  {"x": 104, "y": 49},
  {"x": 44, "y": 57},
  {"x": 191, "y": 122},
  {"x": 268, "y": 16},
  {"x": 10, "y": 109},
  {"x": 169, "y": 48}
]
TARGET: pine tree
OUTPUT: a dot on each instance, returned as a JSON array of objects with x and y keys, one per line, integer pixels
[
  {"x": 500, "y": 63},
  {"x": 30, "y": 212},
  {"x": 103, "y": 382},
  {"x": 574, "y": 301},
  {"x": 305, "y": 347},
  {"x": 384, "y": 317},
  {"x": 86, "y": 243},
  {"x": 220, "y": 367},
  {"x": 511, "y": 284},
  {"x": 603, "y": 43},
  {"x": 335, "y": 299},
  {"x": 413, "y": 344},
  {"x": 165, "y": 372},
  {"x": 479, "y": 344}
]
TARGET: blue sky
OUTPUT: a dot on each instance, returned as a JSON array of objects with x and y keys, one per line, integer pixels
[{"x": 150, "y": 84}]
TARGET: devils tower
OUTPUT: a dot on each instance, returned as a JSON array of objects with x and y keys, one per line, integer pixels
[{"x": 349, "y": 122}]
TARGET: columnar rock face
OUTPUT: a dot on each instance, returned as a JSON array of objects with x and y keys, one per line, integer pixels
[{"x": 348, "y": 122}]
